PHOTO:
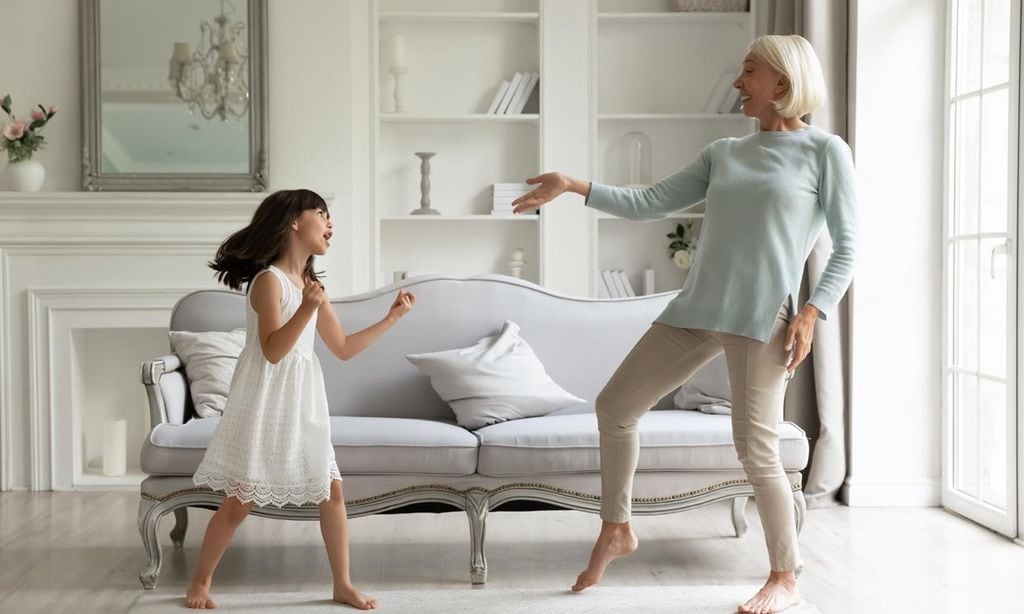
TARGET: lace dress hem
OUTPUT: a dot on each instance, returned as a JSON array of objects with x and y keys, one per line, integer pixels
[{"x": 262, "y": 495}]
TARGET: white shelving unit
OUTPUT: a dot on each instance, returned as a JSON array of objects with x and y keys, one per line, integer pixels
[
  {"x": 652, "y": 71},
  {"x": 608, "y": 67},
  {"x": 457, "y": 52}
]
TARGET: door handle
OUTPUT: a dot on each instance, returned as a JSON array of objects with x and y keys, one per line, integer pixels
[{"x": 1002, "y": 249}]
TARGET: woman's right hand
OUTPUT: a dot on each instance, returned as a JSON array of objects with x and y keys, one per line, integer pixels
[
  {"x": 551, "y": 186},
  {"x": 312, "y": 295}
]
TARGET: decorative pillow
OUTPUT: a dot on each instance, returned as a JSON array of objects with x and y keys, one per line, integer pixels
[
  {"x": 708, "y": 390},
  {"x": 497, "y": 379},
  {"x": 209, "y": 364}
]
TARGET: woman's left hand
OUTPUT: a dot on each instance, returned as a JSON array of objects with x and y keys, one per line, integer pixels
[{"x": 799, "y": 336}]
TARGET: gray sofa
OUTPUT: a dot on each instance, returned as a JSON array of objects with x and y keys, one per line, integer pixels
[{"x": 397, "y": 442}]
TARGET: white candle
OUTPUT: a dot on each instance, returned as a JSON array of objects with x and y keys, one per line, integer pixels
[
  {"x": 227, "y": 51},
  {"x": 182, "y": 53},
  {"x": 397, "y": 51},
  {"x": 648, "y": 281},
  {"x": 115, "y": 444}
]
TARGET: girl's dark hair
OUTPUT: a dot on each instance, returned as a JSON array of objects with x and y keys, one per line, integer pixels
[{"x": 247, "y": 252}]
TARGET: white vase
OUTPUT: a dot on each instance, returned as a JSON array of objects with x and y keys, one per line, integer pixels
[{"x": 24, "y": 176}]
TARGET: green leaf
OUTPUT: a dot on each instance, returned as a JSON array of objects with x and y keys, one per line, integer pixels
[{"x": 5, "y": 104}]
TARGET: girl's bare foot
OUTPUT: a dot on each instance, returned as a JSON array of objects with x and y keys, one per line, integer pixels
[
  {"x": 615, "y": 540},
  {"x": 349, "y": 595},
  {"x": 779, "y": 593},
  {"x": 198, "y": 596}
]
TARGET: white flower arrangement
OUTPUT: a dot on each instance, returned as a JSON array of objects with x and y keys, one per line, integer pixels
[{"x": 683, "y": 246}]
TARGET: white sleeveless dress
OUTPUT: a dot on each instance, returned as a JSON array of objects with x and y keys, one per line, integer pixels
[{"x": 273, "y": 443}]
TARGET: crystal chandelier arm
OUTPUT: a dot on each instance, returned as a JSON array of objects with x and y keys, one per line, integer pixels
[{"x": 216, "y": 81}]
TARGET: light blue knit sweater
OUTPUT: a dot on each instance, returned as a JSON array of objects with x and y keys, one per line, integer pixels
[{"x": 768, "y": 195}]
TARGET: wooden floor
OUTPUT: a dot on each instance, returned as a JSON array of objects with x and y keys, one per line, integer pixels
[{"x": 81, "y": 553}]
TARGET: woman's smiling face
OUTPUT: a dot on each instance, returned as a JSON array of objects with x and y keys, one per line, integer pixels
[{"x": 759, "y": 86}]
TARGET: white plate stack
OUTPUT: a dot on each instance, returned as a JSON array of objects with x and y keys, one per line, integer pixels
[{"x": 504, "y": 194}]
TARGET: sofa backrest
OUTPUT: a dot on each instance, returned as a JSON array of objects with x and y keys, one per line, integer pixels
[{"x": 580, "y": 341}]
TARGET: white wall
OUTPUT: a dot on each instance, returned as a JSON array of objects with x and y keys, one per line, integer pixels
[
  {"x": 310, "y": 138},
  {"x": 317, "y": 138},
  {"x": 310, "y": 101},
  {"x": 896, "y": 301}
]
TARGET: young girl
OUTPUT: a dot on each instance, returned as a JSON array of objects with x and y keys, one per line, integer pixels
[{"x": 273, "y": 443}]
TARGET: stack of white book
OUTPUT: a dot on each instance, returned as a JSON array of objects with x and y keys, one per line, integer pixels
[
  {"x": 614, "y": 283},
  {"x": 724, "y": 98},
  {"x": 504, "y": 194},
  {"x": 513, "y": 95}
]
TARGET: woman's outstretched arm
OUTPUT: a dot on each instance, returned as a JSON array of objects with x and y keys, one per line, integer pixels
[{"x": 683, "y": 189}]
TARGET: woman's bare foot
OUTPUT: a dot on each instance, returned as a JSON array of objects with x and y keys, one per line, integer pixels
[
  {"x": 779, "y": 593},
  {"x": 349, "y": 595},
  {"x": 198, "y": 596},
  {"x": 616, "y": 540}
]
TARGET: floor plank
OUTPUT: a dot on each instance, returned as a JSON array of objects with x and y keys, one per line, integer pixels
[{"x": 81, "y": 552}]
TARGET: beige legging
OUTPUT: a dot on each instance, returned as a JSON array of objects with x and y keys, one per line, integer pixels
[{"x": 664, "y": 358}]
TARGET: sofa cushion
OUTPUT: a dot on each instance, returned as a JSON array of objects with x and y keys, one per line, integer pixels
[
  {"x": 708, "y": 390},
  {"x": 210, "y": 358},
  {"x": 669, "y": 440},
  {"x": 362, "y": 446},
  {"x": 498, "y": 378}
]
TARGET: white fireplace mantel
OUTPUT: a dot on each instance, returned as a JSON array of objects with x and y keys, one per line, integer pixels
[
  {"x": 78, "y": 261},
  {"x": 120, "y": 217}
]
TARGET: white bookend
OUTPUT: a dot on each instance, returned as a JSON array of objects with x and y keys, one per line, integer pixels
[
  {"x": 510, "y": 94},
  {"x": 720, "y": 91},
  {"x": 730, "y": 100},
  {"x": 648, "y": 281},
  {"x": 625, "y": 283},
  {"x": 609, "y": 282},
  {"x": 524, "y": 94},
  {"x": 497, "y": 97}
]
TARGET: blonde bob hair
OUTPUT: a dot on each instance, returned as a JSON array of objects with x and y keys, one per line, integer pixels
[{"x": 793, "y": 57}]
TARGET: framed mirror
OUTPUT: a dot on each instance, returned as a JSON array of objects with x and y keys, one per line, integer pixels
[{"x": 174, "y": 95}]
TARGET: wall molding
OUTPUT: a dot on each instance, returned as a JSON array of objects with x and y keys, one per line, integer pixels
[
  {"x": 895, "y": 492},
  {"x": 34, "y": 206},
  {"x": 119, "y": 225},
  {"x": 54, "y": 314},
  {"x": 6, "y": 380}
]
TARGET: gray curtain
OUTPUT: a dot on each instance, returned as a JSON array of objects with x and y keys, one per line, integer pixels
[{"x": 817, "y": 398}]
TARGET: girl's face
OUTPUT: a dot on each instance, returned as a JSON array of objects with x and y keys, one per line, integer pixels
[
  {"x": 313, "y": 230},
  {"x": 759, "y": 85}
]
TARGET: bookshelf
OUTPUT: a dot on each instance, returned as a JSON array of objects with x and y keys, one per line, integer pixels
[
  {"x": 455, "y": 53},
  {"x": 608, "y": 67},
  {"x": 652, "y": 71}
]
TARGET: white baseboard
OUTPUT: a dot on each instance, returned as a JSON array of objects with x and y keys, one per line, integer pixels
[{"x": 919, "y": 492}]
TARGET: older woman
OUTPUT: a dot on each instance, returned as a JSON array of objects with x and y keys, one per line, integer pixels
[{"x": 767, "y": 196}]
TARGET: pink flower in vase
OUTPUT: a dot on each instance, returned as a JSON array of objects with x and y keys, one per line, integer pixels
[
  {"x": 37, "y": 115},
  {"x": 15, "y": 130}
]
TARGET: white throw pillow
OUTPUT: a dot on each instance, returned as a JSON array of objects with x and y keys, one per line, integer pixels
[
  {"x": 708, "y": 390},
  {"x": 210, "y": 360},
  {"x": 497, "y": 379}
]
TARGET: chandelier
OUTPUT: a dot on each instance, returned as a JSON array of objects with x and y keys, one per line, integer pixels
[{"x": 215, "y": 78}]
